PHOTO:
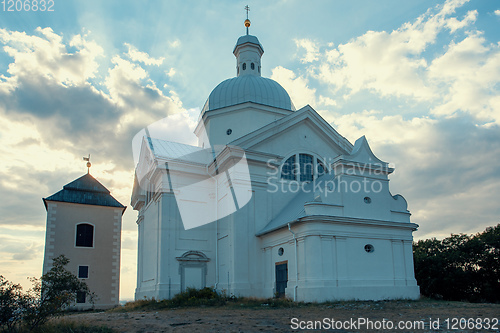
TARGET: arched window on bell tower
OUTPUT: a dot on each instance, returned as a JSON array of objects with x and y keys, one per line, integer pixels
[{"x": 84, "y": 235}]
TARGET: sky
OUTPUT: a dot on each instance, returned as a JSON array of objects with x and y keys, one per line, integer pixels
[{"x": 421, "y": 79}]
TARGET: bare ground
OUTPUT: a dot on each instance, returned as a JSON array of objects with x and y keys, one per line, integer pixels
[{"x": 236, "y": 318}]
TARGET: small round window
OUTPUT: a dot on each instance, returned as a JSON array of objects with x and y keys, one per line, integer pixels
[
  {"x": 367, "y": 200},
  {"x": 281, "y": 251},
  {"x": 252, "y": 66},
  {"x": 229, "y": 131},
  {"x": 244, "y": 66},
  {"x": 369, "y": 248}
]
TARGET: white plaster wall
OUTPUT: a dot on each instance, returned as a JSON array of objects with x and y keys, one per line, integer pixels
[
  {"x": 248, "y": 54},
  {"x": 331, "y": 256},
  {"x": 333, "y": 264},
  {"x": 241, "y": 121}
]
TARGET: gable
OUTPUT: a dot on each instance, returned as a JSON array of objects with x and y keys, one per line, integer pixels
[
  {"x": 362, "y": 153},
  {"x": 303, "y": 130},
  {"x": 146, "y": 159}
]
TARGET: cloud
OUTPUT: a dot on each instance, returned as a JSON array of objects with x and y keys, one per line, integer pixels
[
  {"x": 443, "y": 135},
  {"x": 175, "y": 43},
  {"x": 29, "y": 252},
  {"x": 47, "y": 56},
  {"x": 17, "y": 249},
  {"x": 171, "y": 72},
  {"x": 454, "y": 24},
  {"x": 137, "y": 96},
  {"x": 296, "y": 86},
  {"x": 136, "y": 55},
  {"x": 56, "y": 109},
  {"x": 49, "y": 87},
  {"x": 312, "y": 50},
  {"x": 463, "y": 77},
  {"x": 21, "y": 255},
  {"x": 443, "y": 167},
  {"x": 389, "y": 63},
  {"x": 470, "y": 73}
]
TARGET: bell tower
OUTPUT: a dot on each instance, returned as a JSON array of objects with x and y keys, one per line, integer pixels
[{"x": 84, "y": 223}]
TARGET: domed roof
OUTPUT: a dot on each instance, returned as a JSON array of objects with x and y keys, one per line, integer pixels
[
  {"x": 248, "y": 39},
  {"x": 248, "y": 88}
]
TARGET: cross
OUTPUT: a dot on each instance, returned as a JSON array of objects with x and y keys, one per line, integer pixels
[
  {"x": 88, "y": 163},
  {"x": 247, "y": 9}
]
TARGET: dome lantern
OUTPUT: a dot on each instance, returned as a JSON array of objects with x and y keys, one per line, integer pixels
[
  {"x": 248, "y": 85},
  {"x": 248, "y": 52},
  {"x": 240, "y": 105}
]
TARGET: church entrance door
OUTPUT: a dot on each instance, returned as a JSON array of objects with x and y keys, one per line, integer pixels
[{"x": 281, "y": 278}]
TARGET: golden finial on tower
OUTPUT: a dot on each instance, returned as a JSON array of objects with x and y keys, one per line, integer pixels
[
  {"x": 88, "y": 163},
  {"x": 247, "y": 21}
]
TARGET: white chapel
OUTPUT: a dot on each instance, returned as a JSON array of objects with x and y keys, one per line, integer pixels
[{"x": 273, "y": 201}]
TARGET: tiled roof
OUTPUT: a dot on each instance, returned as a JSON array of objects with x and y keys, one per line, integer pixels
[{"x": 85, "y": 190}]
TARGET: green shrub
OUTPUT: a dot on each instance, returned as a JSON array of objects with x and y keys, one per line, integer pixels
[
  {"x": 53, "y": 293},
  {"x": 195, "y": 297}
]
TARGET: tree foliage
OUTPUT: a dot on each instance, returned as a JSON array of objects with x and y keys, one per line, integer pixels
[
  {"x": 460, "y": 267},
  {"x": 54, "y": 292},
  {"x": 11, "y": 301}
]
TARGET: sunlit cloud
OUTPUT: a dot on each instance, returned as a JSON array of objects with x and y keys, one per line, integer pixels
[
  {"x": 311, "y": 49},
  {"x": 135, "y": 55},
  {"x": 45, "y": 55},
  {"x": 296, "y": 86},
  {"x": 463, "y": 78}
]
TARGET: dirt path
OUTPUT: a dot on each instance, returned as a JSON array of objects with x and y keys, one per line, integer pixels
[{"x": 264, "y": 319}]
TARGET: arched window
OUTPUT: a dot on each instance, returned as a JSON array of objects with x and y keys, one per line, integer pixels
[
  {"x": 84, "y": 235},
  {"x": 288, "y": 169},
  {"x": 321, "y": 169},
  {"x": 252, "y": 66},
  {"x": 244, "y": 66},
  {"x": 308, "y": 168}
]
